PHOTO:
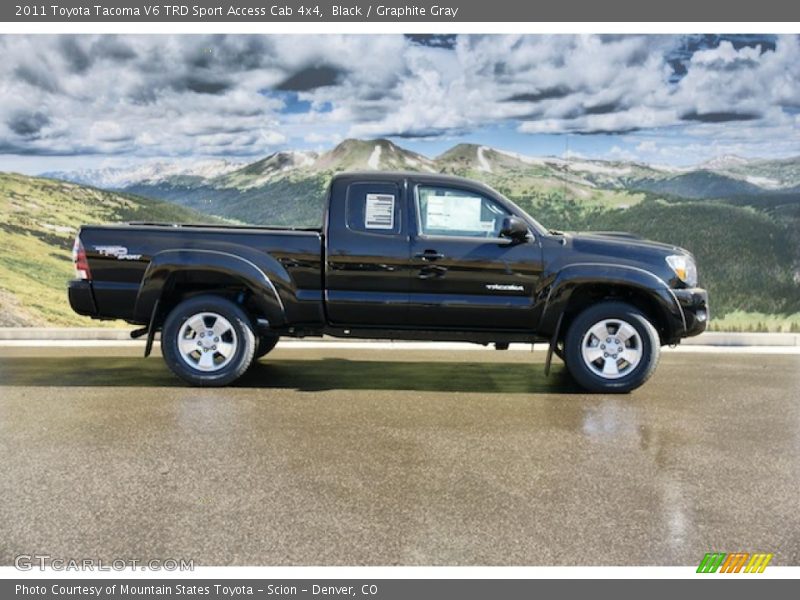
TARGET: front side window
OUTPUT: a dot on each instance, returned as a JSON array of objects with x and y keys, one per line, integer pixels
[{"x": 458, "y": 213}]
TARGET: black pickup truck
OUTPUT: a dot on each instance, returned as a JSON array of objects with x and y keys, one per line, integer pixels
[{"x": 404, "y": 256}]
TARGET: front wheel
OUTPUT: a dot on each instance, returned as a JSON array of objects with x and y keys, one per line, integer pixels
[
  {"x": 611, "y": 347},
  {"x": 208, "y": 341}
]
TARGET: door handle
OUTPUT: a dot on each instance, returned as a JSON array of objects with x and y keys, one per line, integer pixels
[{"x": 429, "y": 255}]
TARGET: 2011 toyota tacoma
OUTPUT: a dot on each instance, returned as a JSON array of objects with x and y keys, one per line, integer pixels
[{"x": 400, "y": 256}]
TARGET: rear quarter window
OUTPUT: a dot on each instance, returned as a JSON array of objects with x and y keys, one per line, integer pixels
[{"x": 374, "y": 208}]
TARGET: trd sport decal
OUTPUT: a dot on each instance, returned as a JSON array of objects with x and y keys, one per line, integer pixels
[{"x": 118, "y": 252}]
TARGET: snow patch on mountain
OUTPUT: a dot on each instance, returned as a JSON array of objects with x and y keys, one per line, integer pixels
[
  {"x": 483, "y": 162},
  {"x": 374, "y": 161}
]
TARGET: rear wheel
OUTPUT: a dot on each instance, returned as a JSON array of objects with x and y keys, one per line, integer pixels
[
  {"x": 611, "y": 347},
  {"x": 208, "y": 341}
]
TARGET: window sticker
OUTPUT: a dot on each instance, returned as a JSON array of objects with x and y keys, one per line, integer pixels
[
  {"x": 458, "y": 213},
  {"x": 379, "y": 211}
]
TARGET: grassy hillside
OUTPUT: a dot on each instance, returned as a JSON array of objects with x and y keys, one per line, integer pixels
[{"x": 39, "y": 219}]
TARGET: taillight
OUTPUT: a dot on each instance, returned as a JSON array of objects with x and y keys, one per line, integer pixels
[{"x": 79, "y": 258}]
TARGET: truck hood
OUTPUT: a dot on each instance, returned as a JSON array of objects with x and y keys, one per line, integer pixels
[{"x": 619, "y": 241}]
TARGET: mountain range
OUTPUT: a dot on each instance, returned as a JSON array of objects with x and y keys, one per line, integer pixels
[
  {"x": 153, "y": 172},
  {"x": 288, "y": 180}
]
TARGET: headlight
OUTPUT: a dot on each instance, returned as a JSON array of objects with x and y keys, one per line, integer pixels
[{"x": 684, "y": 268}]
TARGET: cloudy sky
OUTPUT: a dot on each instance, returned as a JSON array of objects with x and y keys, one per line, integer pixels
[{"x": 89, "y": 101}]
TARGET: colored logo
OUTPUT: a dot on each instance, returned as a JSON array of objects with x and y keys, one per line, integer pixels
[{"x": 734, "y": 562}]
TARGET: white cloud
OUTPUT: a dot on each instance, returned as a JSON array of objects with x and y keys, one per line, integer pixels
[{"x": 248, "y": 95}]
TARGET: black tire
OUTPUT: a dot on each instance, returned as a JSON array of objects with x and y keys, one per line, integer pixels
[
  {"x": 265, "y": 344},
  {"x": 628, "y": 375},
  {"x": 243, "y": 341}
]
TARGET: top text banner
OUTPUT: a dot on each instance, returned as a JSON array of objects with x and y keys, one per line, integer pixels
[{"x": 361, "y": 11}]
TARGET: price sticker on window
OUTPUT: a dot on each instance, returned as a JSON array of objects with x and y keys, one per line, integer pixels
[
  {"x": 379, "y": 211},
  {"x": 454, "y": 213}
]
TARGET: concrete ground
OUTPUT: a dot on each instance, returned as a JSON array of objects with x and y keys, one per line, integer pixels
[{"x": 354, "y": 455}]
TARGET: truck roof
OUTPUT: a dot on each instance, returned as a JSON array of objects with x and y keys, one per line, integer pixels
[{"x": 397, "y": 175}]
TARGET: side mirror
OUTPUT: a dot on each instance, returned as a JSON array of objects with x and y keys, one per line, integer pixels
[{"x": 514, "y": 228}]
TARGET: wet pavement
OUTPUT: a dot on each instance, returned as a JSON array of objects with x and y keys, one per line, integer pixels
[{"x": 360, "y": 456}]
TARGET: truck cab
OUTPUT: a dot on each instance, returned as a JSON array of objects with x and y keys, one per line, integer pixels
[{"x": 429, "y": 252}]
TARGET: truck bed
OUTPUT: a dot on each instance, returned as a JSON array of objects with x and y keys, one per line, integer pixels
[{"x": 120, "y": 255}]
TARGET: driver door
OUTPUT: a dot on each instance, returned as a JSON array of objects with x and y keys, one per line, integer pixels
[{"x": 464, "y": 275}]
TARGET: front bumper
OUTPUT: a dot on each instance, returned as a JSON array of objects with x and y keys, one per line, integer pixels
[
  {"x": 81, "y": 297},
  {"x": 694, "y": 306}
]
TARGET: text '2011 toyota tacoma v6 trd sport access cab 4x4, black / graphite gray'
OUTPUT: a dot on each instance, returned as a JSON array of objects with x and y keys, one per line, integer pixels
[{"x": 400, "y": 256}]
